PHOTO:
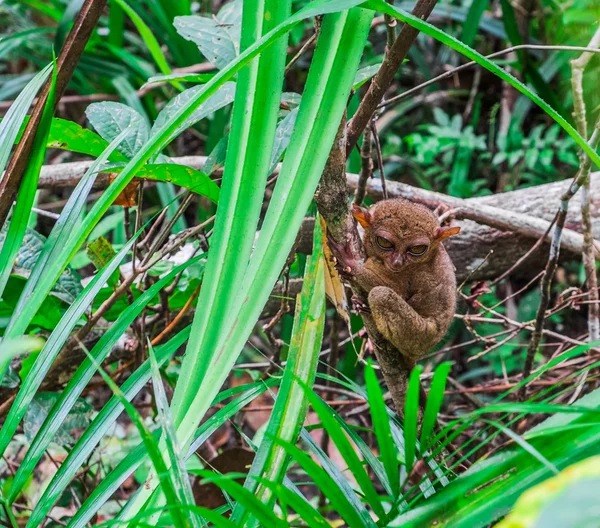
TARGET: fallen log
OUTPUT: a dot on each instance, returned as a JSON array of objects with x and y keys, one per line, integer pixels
[{"x": 496, "y": 230}]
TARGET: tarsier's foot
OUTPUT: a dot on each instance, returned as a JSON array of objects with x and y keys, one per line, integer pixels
[
  {"x": 343, "y": 258},
  {"x": 359, "y": 305}
]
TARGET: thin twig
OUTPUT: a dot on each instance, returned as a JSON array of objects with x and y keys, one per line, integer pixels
[
  {"x": 307, "y": 45},
  {"x": 577, "y": 67},
  {"x": 373, "y": 128},
  {"x": 366, "y": 167}
]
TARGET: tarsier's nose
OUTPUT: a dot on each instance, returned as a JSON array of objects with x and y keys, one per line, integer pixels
[{"x": 397, "y": 260}]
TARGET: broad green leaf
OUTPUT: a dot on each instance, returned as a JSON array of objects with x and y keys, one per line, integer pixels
[
  {"x": 68, "y": 135},
  {"x": 111, "y": 118},
  {"x": 218, "y": 37},
  {"x": 364, "y": 74},
  {"x": 282, "y": 137},
  {"x": 68, "y": 286},
  {"x": 79, "y": 418},
  {"x": 218, "y": 100},
  {"x": 568, "y": 499},
  {"x": 57, "y": 250},
  {"x": 191, "y": 179}
]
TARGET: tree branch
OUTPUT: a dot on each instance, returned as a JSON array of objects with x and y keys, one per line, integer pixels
[{"x": 67, "y": 61}]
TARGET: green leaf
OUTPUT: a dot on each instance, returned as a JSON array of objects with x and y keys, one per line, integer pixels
[
  {"x": 27, "y": 190},
  {"x": 471, "y": 26},
  {"x": 383, "y": 433},
  {"x": 151, "y": 445},
  {"x": 434, "y": 403},
  {"x": 79, "y": 417},
  {"x": 149, "y": 40},
  {"x": 218, "y": 37},
  {"x": 328, "y": 87},
  {"x": 331, "y": 482},
  {"x": 82, "y": 376},
  {"x": 364, "y": 74},
  {"x": 100, "y": 252},
  {"x": 191, "y": 179},
  {"x": 264, "y": 514},
  {"x": 179, "y": 476},
  {"x": 54, "y": 345},
  {"x": 9, "y": 348},
  {"x": 133, "y": 460},
  {"x": 282, "y": 137},
  {"x": 218, "y": 100},
  {"x": 67, "y": 135},
  {"x": 14, "y": 118},
  {"x": 346, "y": 449},
  {"x": 411, "y": 417},
  {"x": 184, "y": 77},
  {"x": 57, "y": 250},
  {"x": 111, "y": 118},
  {"x": 291, "y": 404}
]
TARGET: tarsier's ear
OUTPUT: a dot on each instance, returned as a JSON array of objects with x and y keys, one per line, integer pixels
[
  {"x": 362, "y": 215},
  {"x": 446, "y": 231}
]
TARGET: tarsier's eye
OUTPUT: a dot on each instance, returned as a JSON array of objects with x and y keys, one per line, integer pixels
[
  {"x": 417, "y": 250},
  {"x": 384, "y": 243}
]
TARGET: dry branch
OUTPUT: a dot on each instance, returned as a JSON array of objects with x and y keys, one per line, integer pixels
[{"x": 65, "y": 65}]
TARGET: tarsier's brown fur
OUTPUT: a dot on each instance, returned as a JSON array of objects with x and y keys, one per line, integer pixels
[{"x": 411, "y": 295}]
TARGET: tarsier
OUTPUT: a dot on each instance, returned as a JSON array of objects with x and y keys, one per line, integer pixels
[{"x": 408, "y": 277}]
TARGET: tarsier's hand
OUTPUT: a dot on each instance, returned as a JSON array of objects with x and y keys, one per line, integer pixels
[
  {"x": 344, "y": 259},
  {"x": 360, "y": 305}
]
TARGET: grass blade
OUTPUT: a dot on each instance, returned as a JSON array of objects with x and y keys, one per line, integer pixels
[
  {"x": 383, "y": 432},
  {"x": 411, "y": 417},
  {"x": 54, "y": 345},
  {"x": 434, "y": 403},
  {"x": 291, "y": 405},
  {"x": 97, "y": 429},
  {"x": 133, "y": 460},
  {"x": 151, "y": 445},
  {"x": 255, "y": 109},
  {"x": 27, "y": 191},
  {"x": 82, "y": 376},
  {"x": 177, "y": 471}
]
